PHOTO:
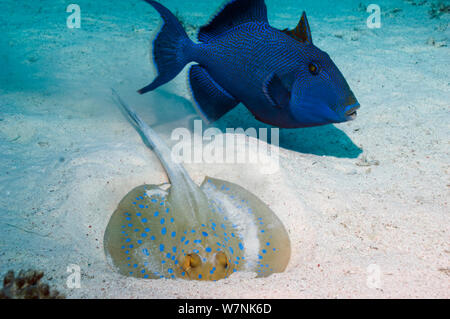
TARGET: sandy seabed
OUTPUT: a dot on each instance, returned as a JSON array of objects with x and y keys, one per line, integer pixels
[{"x": 370, "y": 192}]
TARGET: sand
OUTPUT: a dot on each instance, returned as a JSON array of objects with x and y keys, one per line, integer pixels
[{"x": 357, "y": 198}]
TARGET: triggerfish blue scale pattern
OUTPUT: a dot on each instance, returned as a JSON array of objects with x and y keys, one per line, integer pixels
[
  {"x": 279, "y": 75},
  {"x": 191, "y": 232}
]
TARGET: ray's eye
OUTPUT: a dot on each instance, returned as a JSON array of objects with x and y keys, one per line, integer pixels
[
  {"x": 191, "y": 261},
  {"x": 314, "y": 68},
  {"x": 222, "y": 259}
]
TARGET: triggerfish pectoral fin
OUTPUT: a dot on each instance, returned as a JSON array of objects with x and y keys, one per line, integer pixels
[
  {"x": 211, "y": 99},
  {"x": 277, "y": 92}
]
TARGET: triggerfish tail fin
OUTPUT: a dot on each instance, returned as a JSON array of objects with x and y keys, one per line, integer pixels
[
  {"x": 211, "y": 99},
  {"x": 170, "y": 48},
  {"x": 276, "y": 91}
]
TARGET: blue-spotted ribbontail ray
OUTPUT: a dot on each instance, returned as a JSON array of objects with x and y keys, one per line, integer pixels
[{"x": 191, "y": 232}]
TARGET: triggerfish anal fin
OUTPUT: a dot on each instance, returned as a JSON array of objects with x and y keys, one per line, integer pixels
[
  {"x": 211, "y": 99},
  {"x": 302, "y": 32},
  {"x": 233, "y": 14},
  {"x": 277, "y": 92}
]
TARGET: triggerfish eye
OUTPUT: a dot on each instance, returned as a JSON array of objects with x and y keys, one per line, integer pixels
[{"x": 314, "y": 68}]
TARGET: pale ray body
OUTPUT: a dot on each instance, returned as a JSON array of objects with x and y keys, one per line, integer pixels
[{"x": 191, "y": 232}]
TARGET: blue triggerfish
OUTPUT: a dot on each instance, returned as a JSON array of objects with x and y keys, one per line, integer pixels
[{"x": 279, "y": 75}]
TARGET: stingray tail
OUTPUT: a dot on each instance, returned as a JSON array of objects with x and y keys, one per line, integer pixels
[
  {"x": 183, "y": 189},
  {"x": 151, "y": 138},
  {"x": 171, "y": 48}
]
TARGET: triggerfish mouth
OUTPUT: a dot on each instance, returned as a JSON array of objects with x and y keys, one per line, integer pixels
[{"x": 279, "y": 75}]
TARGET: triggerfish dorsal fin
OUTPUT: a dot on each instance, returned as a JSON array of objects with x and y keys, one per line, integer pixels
[
  {"x": 302, "y": 32},
  {"x": 236, "y": 12}
]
